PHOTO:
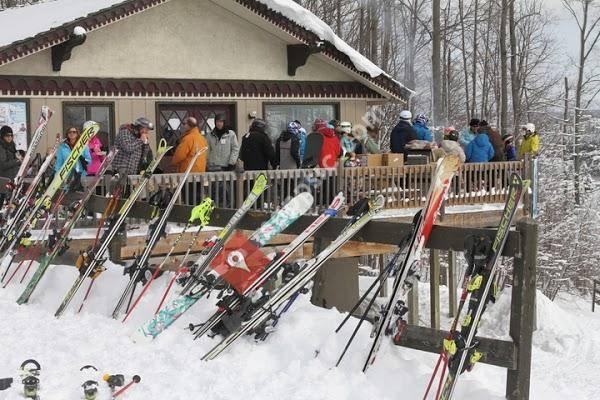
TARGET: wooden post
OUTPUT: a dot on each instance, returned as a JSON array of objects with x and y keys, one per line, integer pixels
[
  {"x": 434, "y": 288},
  {"x": 384, "y": 288},
  {"x": 413, "y": 304},
  {"x": 523, "y": 310},
  {"x": 239, "y": 190},
  {"x": 452, "y": 305}
]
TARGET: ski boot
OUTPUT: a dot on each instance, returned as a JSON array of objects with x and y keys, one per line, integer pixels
[
  {"x": 30, "y": 372},
  {"x": 90, "y": 390}
]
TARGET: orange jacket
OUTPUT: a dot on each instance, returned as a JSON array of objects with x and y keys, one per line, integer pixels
[{"x": 190, "y": 142}]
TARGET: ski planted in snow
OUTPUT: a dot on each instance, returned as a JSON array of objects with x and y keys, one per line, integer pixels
[
  {"x": 445, "y": 170},
  {"x": 156, "y": 230},
  {"x": 59, "y": 240},
  {"x": 90, "y": 262},
  {"x": 264, "y": 306},
  {"x": 460, "y": 347},
  {"x": 232, "y": 302}
]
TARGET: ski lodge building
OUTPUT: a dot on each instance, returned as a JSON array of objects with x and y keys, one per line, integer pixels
[{"x": 168, "y": 59}]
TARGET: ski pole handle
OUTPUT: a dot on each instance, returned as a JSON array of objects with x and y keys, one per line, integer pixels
[{"x": 135, "y": 379}]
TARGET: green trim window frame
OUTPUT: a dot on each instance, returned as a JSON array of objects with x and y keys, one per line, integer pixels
[
  {"x": 14, "y": 112},
  {"x": 278, "y": 115},
  {"x": 76, "y": 113}
]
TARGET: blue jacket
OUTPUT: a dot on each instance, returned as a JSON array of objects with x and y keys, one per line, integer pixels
[
  {"x": 423, "y": 132},
  {"x": 63, "y": 153},
  {"x": 480, "y": 149},
  {"x": 511, "y": 152},
  {"x": 465, "y": 137},
  {"x": 302, "y": 138}
]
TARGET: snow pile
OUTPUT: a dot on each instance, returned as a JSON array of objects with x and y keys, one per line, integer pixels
[
  {"x": 283, "y": 367},
  {"x": 41, "y": 17}
]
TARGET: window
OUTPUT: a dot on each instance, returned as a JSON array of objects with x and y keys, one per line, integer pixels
[
  {"x": 14, "y": 114},
  {"x": 75, "y": 114},
  {"x": 278, "y": 116}
]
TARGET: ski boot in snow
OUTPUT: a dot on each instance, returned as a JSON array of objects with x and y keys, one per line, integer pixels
[
  {"x": 90, "y": 390},
  {"x": 30, "y": 372}
]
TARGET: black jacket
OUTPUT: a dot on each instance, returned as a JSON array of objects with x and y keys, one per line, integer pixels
[
  {"x": 287, "y": 150},
  {"x": 9, "y": 165},
  {"x": 257, "y": 151},
  {"x": 402, "y": 133}
]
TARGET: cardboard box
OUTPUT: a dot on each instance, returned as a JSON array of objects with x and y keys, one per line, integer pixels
[
  {"x": 393, "y": 160},
  {"x": 371, "y": 160}
]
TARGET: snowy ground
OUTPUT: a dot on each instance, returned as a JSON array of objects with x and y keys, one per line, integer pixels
[{"x": 566, "y": 353}]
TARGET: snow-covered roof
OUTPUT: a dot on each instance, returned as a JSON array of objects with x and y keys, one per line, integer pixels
[
  {"x": 24, "y": 22},
  {"x": 60, "y": 15}
]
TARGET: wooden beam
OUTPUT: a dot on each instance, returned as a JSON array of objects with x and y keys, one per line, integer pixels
[
  {"x": 434, "y": 288},
  {"x": 500, "y": 353},
  {"x": 522, "y": 310},
  {"x": 377, "y": 231}
]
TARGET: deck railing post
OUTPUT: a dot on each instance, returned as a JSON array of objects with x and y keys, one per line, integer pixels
[{"x": 522, "y": 313}]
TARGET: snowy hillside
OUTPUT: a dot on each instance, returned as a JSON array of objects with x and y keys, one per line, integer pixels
[{"x": 284, "y": 367}]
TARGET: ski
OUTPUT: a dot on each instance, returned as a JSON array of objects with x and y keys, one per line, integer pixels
[
  {"x": 12, "y": 236},
  {"x": 461, "y": 344},
  {"x": 278, "y": 222},
  {"x": 445, "y": 170},
  {"x": 59, "y": 241},
  {"x": 201, "y": 216},
  {"x": 263, "y": 310},
  {"x": 231, "y": 302},
  {"x": 17, "y": 185},
  {"x": 156, "y": 231},
  {"x": 91, "y": 261}
]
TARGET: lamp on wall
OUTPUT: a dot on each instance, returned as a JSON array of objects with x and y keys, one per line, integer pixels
[{"x": 62, "y": 52}]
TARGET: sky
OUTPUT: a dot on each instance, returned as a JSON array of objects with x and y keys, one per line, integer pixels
[{"x": 566, "y": 31}]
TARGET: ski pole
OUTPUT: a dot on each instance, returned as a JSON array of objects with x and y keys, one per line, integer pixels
[{"x": 134, "y": 380}]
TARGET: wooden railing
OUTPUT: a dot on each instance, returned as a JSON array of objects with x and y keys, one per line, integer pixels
[{"x": 403, "y": 187}]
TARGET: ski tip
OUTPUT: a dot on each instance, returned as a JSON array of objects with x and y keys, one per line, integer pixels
[{"x": 260, "y": 184}]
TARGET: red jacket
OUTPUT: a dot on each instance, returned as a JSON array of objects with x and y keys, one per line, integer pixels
[{"x": 331, "y": 149}]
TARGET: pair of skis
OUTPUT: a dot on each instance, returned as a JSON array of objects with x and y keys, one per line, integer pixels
[
  {"x": 61, "y": 238},
  {"x": 262, "y": 313},
  {"x": 157, "y": 229},
  {"x": 272, "y": 268},
  {"x": 16, "y": 231},
  {"x": 90, "y": 262},
  {"x": 460, "y": 348}
]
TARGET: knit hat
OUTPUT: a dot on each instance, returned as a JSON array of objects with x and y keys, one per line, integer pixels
[
  {"x": 220, "y": 117},
  {"x": 346, "y": 127},
  {"x": 5, "y": 131},
  {"x": 474, "y": 122},
  {"x": 422, "y": 119},
  {"x": 507, "y": 138},
  {"x": 405, "y": 115},
  {"x": 319, "y": 123}
]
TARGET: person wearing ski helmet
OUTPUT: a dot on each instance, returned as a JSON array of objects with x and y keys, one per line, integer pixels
[
  {"x": 287, "y": 147},
  {"x": 402, "y": 134},
  {"x": 468, "y": 134},
  {"x": 191, "y": 141},
  {"x": 223, "y": 147},
  {"x": 10, "y": 159},
  {"x": 531, "y": 141},
  {"x": 420, "y": 125},
  {"x": 132, "y": 142},
  {"x": 257, "y": 151},
  {"x": 509, "y": 147},
  {"x": 64, "y": 150}
]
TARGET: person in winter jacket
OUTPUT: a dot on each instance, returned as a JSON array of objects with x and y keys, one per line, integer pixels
[
  {"x": 314, "y": 143},
  {"x": 531, "y": 142},
  {"x": 302, "y": 138},
  {"x": 134, "y": 152},
  {"x": 468, "y": 134},
  {"x": 509, "y": 147},
  {"x": 331, "y": 149},
  {"x": 223, "y": 147},
  {"x": 495, "y": 139},
  {"x": 480, "y": 149},
  {"x": 420, "y": 125},
  {"x": 191, "y": 142},
  {"x": 65, "y": 148},
  {"x": 349, "y": 143},
  {"x": 287, "y": 147},
  {"x": 402, "y": 134},
  {"x": 257, "y": 151},
  {"x": 367, "y": 139},
  {"x": 10, "y": 158},
  {"x": 450, "y": 145},
  {"x": 95, "y": 148}
]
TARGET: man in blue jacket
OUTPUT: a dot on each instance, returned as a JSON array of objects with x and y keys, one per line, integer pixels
[{"x": 479, "y": 149}]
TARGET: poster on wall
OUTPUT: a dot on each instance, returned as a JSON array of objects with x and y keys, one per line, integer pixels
[{"x": 14, "y": 114}]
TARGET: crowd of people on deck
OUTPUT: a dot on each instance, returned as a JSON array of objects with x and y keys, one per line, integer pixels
[{"x": 324, "y": 144}]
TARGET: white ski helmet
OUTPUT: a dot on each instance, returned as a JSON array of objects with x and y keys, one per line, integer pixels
[
  {"x": 405, "y": 115},
  {"x": 529, "y": 127}
]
